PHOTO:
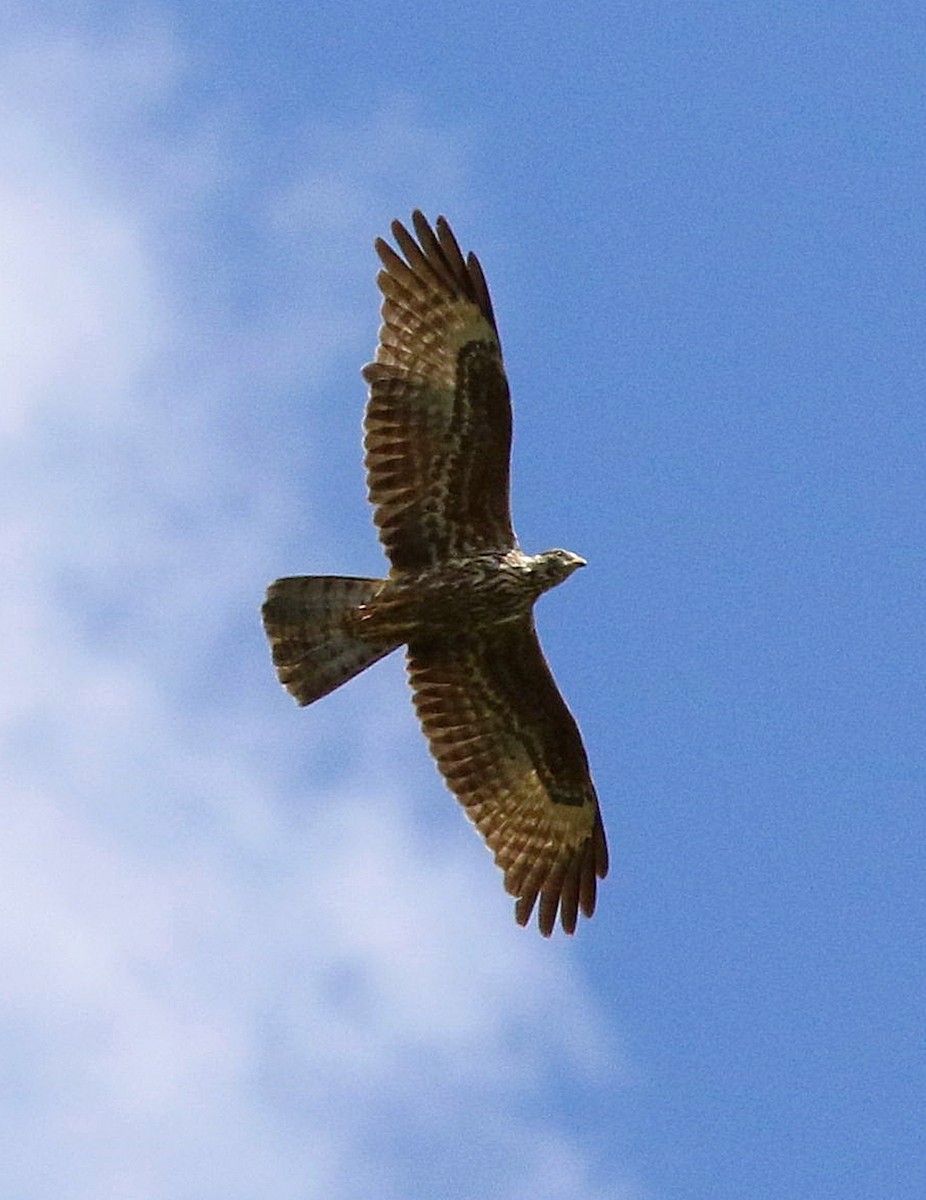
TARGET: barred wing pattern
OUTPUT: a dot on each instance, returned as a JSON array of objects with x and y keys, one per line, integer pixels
[
  {"x": 438, "y": 442},
  {"x": 511, "y": 752},
  {"x": 438, "y": 422}
]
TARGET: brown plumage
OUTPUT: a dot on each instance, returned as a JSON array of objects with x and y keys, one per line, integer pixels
[{"x": 460, "y": 591}]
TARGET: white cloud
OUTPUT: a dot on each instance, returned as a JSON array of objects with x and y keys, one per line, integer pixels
[{"x": 219, "y": 977}]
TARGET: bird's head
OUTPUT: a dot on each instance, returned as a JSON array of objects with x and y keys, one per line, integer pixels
[{"x": 553, "y": 566}]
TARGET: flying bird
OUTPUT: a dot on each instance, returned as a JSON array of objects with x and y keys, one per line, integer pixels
[{"x": 460, "y": 592}]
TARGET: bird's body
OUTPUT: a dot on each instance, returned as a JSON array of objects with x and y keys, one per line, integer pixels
[
  {"x": 460, "y": 591},
  {"x": 463, "y": 594}
]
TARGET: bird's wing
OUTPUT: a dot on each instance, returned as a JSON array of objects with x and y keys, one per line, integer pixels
[
  {"x": 512, "y": 754},
  {"x": 438, "y": 421}
]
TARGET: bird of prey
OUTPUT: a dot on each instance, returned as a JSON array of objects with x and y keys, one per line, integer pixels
[{"x": 460, "y": 591}]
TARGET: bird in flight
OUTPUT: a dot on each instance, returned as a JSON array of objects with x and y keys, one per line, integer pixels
[{"x": 460, "y": 592}]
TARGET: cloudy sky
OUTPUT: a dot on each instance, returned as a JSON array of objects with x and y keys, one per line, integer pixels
[{"x": 249, "y": 950}]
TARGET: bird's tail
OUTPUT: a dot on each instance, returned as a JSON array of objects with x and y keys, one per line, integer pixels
[{"x": 314, "y": 643}]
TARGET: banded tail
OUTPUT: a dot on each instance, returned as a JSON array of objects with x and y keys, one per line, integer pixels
[{"x": 315, "y": 649}]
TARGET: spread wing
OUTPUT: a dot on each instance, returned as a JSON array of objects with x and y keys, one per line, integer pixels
[
  {"x": 438, "y": 421},
  {"x": 511, "y": 752}
]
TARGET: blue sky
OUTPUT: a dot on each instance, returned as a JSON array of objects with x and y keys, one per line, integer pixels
[{"x": 256, "y": 951}]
